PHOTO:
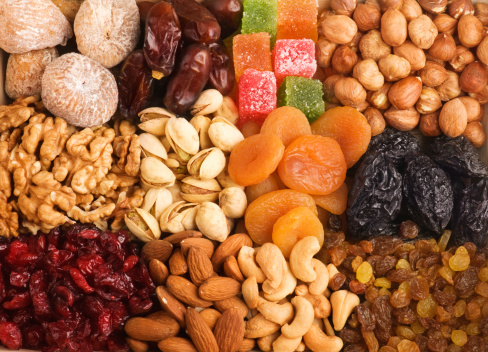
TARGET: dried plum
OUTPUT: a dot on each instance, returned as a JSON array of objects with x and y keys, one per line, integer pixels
[
  {"x": 428, "y": 193},
  {"x": 395, "y": 144}
]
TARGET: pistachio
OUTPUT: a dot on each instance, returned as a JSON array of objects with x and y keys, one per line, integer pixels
[
  {"x": 176, "y": 191},
  {"x": 152, "y": 146},
  {"x": 201, "y": 124},
  {"x": 228, "y": 110},
  {"x": 211, "y": 221},
  {"x": 156, "y": 201},
  {"x": 225, "y": 180},
  {"x": 207, "y": 164},
  {"x": 176, "y": 165},
  {"x": 188, "y": 220},
  {"x": 155, "y": 174},
  {"x": 233, "y": 202},
  {"x": 154, "y": 120},
  {"x": 182, "y": 137},
  {"x": 172, "y": 217},
  {"x": 199, "y": 191},
  {"x": 142, "y": 224},
  {"x": 224, "y": 134},
  {"x": 165, "y": 142},
  {"x": 208, "y": 102}
]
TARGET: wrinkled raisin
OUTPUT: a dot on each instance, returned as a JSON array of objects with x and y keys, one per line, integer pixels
[
  {"x": 337, "y": 281},
  {"x": 366, "y": 317},
  {"x": 405, "y": 315},
  {"x": 409, "y": 229},
  {"x": 465, "y": 282},
  {"x": 419, "y": 288},
  {"x": 350, "y": 335},
  {"x": 384, "y": 265}
]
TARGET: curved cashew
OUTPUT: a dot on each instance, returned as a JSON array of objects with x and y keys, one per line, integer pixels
[
  {"x": 272, "y": 263},
  {"x": 318, "y": 341},
  {"x": 320, "y": 303},
  {"x": 265, "y": 343},
  {"x": 319, "y": 285},
  {"x": 329, "y": 330},
  {"x": 247, "y": 264},
  {"x": 287, "y": 286},
  {"x": 277, "y": 313},
  {"x": 332, "y": 270},
  {"x": 303, "y": 318},
  {"x": 285, "y": 344},
  {"x": 319, "y": 323},
  {"x": 343, "y": 302},
  {"x": 259, "y": 326},
  {"x": 301, "y": 258},
  {"x": 301, "y": 347},
  {"x": 250, "y": 292}
]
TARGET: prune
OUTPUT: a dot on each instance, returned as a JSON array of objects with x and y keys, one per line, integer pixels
[
  {"x": 375, "y": 198},
  {"x": 470, "y": 215},
  {"x": 396, "y": 145},
  {"x": 222, "y": 74},
  {"x": 228, "y": 13},
  {"x": 465, "y": 282},
  {"x": 427, "y": 193},
  {"x": 366, "y": 317}
]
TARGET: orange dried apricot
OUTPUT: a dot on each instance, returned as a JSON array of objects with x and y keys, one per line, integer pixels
[
  {"x": 288, "y": 123},
  {"x": 298, "y": 223},
  {"x": 253, "y": 159},
  {"x": 272, "y": 183},
  {"x": 336, "y": 202},
  {"x": 313, "y": 164},
  {"x": 348, "y": 127},
  {"x": 262, "y": 214}
]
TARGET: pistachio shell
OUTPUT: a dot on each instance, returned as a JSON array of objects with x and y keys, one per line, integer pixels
[
  {"x": 154, "y": 113},
  {"x": 189, "y": 219},
  {"x": 172, "y": 217},
  {"x": 207, "y": 164},
  {"x": 228, "y": 110},
  {"x": 155, "y": 173},
  {"x": 201, "y": 124},
  {"x": 165, "y": 142},
  {"x": 208, "y": 102},
  {"x": 212, "y": 222},
  {"x": 176, "y": 192},
  {"x": 176, "y": 165},
  {"x": 224, "y": 134},
  {"x": 152, "y": 146},
  {"x": 198, "y": 191},
  {"x": 233, "y": 202},
  {"x": 182, "y": 137},
  {"x": 155, "y": 126},
  {"x": 225, "y": 180},
  {"x": 156, "y": 201},
  {"x": 142, "y": 224}
]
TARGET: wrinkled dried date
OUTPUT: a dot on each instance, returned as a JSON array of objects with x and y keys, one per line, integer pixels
[
  {"x": 222, "y": 74},
  {"x": 227, "y": 12}
]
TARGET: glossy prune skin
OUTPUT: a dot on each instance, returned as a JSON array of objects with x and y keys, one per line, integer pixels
[
  {"x": 222, "y": 74},
  {"x": 395, "y": 144},
  {"x": 189, "y": 78},
  {"x": 228, "y": 13},
  {"x": 135, "y": 84},
  {"x": 162, "y": 38}
]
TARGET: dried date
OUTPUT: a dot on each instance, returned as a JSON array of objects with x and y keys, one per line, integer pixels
[
  {"x": 227, "y": 12},
  {"x": 222, "y": 74}
]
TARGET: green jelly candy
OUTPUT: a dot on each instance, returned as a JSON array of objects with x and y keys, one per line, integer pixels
[
  {"x": 305, "y": 94},
  {"x": 260, "y": 16}
]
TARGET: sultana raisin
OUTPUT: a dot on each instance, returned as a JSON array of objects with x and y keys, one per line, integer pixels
[
  {"x": 350, "y": 335},
  {"x": 399, "y": 275},
  {"x": 405, "y": 315},
  {"x": 337, "y": 281},
  {"x": 419, "y": 288},
  {"x": 437, "y": 344},
  {"x": 366, "y": 317},
  {"x": 364, "y": 273},
  {"x": 384, "y": 265},
  {"x": 409, "y": 229},
  {"x": 370, "y": 340},
  {"x": 408, "y": 346},
  {"x": 385, "y": 245},
  {"x": 400, "y": 299},
  {"x": 465, "y": 282},
  {"x": 357, "y": 287},
  {"x": 427, "y": 308},
  {"x": 371, "y": 294}
]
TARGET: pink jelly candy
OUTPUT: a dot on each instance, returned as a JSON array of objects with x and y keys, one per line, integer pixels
[{"x": 294, "y": 57}]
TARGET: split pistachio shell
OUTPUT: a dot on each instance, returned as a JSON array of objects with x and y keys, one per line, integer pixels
[
  {"x": 201, "y": 124},
  {"x": 224, "y": 134},
  {"x": 154, "y": 120},
  {"x": 233, "y": 202},
  {"x": 152, "y": 146},
  {"x": 172, "y": 218},
  {"x": 208, "y": 102},
  {"x": 142, "y": 224},
  {"x": 156, "y": 201},
  {"x": 176, "y": 191},
  {"x": 176, "y": 165},
  {"x": 182, "y": 137},
  {"x": 199, "y": 191},
  {"x": 165, "y": 142},
  {"x": 228, "y": 110},
  {"x": 207, "y": 164},
  {"x": 188, "y": 220},
  {"x": 155, "y": 173},
  {"x": 211, "y": 221}
]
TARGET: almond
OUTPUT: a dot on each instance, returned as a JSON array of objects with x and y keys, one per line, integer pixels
[
  {"x": 233, "y": 302},
  {"x": 176, "y": 344},
  {"x": 405, "y": 93},
  {"x": 148, "y": 330},
  {"x": 231, "y": 246},
  {"x": 165, "y": 318},
  {"x": 185, "y": 291},
  {"x": 229, "y": 330},
  {"x": 200, "y": 333},
  {"x": 176, "y": 238},
  {"x": 177, "y": 263},
  {"x": 203, "y": 243},
  {"x": 136, "y": 345},
  {"x": 171, "y": 305},
  {"x": 218, "y": 288},
  {"x": 158, "y": 271},
  {"x": 157, "y": 249},
  {"x": 231, "y": 269},
  {"x": 210, "y": 316},
  {"x": 199, "y": 265},
  {"x": 247, "y": 345}
]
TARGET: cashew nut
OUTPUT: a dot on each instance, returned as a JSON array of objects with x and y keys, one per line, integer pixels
[
  {"x": 343, "y": 302},
  {"x": 265, "y": 343},
  {"x": 301, "y": 258},
  {"x": 329, "y": 330},
  {"x": 318, "y": 341},
  {"x": 319, "y": 323},
  {"x": 287, "y": 286},
  {"x": 250, "y": 292},
  {"x": 285, "y": 344},
  {"x": 319, "y": 285},
  {"x": 320, "y": 303},
  {"x": 259, "y": 326},
  {"x": 247, "y": 264},
  {"x": 277, "y": 313},
  {"x": 303, "y": 318},
  {"x": 332, "y": 269},
  {"x": 301, "y": 347},
  {"x": 272, "y": 263}
]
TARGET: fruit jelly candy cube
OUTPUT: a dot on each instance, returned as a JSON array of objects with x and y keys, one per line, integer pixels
[
  {"x": 251, "y": 51},
  {"x": 304, "y": 94},
  {"x": 297, "y": 22},
  {"x": 294, "y": 57},
  {"x": 260, "y": 16},
  {"x": 256, "y": 96}
]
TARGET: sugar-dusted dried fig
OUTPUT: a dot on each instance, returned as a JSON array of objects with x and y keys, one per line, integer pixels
[
  {"x": 107, "y": 31},
  {"x": 79, "y": 90},
  {"x": 24, "y": 72},
  {"x": 69, "y": 8},
  {"x": 27, "y": 25}
]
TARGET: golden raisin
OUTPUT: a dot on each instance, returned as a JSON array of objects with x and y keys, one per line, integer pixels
[
  {"x": 459, "y": 308},
  {"x": 459, "y": 337},
  {"x": 405, "y": 332},
  {"x": 403, "y": 264},
  {"x": 382, "y": 282},
  {"x": 472, "y": 329},
  {"x": 483, "y": 274},
  {"x": 364, "y": 273},
  {"x": 427, "y": 308}
]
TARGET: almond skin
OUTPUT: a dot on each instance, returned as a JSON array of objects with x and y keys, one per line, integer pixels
[
  {"x": 405, "y": 93},
  {"x": 158, "y": 271},
  {"x": 148, "y": 330},
  {"x": 201, "y": 335},
  {"x": 233, "y": 302},
  {"x": 185, "y": 291},
  {"x": 231, "y": 269},
  {"x": 199, "y": 265},
  {"x": 176, "y": 238},
  {"x": 171, "y": 305},
  {"x": 177, "y": 263},
  {"x": 231, "y": 246},
  {"x": 157, "y": 249},
  {"x": 218, "y": 288},
  {"x": 176, "y": 344},
  {"x": 203, "y": 243},
  {"x": 229, "y": 330}
]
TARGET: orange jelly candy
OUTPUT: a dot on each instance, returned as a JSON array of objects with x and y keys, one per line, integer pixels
[
  {"x": 297, "y": 20},
  {"x": 313, "y": 164},
  {"x": 298, "y": 223},
  {"x": 288, "y": 123},
  {"x": 251, "y": 51},
  {"x": 255, "y": 158},
  {"x": 262, "y": 214},
  {"x": 336, "y": 202},
  {"x": 348, "y": 127}
]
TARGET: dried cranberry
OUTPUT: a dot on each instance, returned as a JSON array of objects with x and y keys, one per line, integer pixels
[
  {"x": 66, "y": 294},
  {"x": 130, "y": 262},
  {"x": 10, "y": 335},
  {"x": 33, "y": 336},
  {"x": 20, "y": 301},
  {"x": 89, "y": 234},
  {"x": 87, "y": 262},
  {"x": 19, "y": 279}
]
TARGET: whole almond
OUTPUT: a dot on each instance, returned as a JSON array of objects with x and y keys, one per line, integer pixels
[
  {"x": 231, "y": 269},
  {"x": 247, "y": 345},
  {"x": 185, "y": 291},
  {"x": 165, "y": 318},
  {"x": 201, "y": 335},
  {"x": 158, "y": 271},
  {"x": 176, "y": 344},
  {"x": 171, "y": 305},
  {"x": 177, "y": 263},
  {"x": 136, "y": 345},
  {"x": 233, "y": 302},
  {"x": 231, "y": 246},
  {"x": 453, "y": 118},
  {"x": 157, "y": 249},
  {"x": 218, "y": 288},
  {"x": 229, "y": 330},
  {"x": 405, "y": 93},
  {"x": 148, "y": 330},
  {"x": 176, "y": 238},
  {"x": 199, "y": 265},
  {"x": 204, "y": 243},
  {"x": 210, "y": 316}
]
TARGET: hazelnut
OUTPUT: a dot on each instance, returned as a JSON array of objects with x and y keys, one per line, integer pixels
[
  {"x": 453, "y": 118},
  {"x": 411, "y": 9},
  {"x": 322, "y": 16},
  {"x": 433, "y": 6},
  {"x": 361, "y": 107},
  {"x": 473, "y": 109},
  {"x": 375, "y": 120},
  {"x": 402, "y": 120},
  {"x": 394, "y": 67},
  {"x": 429, "y": 101},
  {"x": 461, "y": 59},
  {"x": 410, "y": 52},
  {"x": 339, "y": 29},
  {"x": 482, "y": 51},
  {"x": 367, "y": 17},
  {"x": 422, "y": 31},
  {"x": 481, "y": 11},
  {"x": 329, "y": 88},
  {"x": 405, "y": 93},
  {"x": 393, "y": 27},
  {"x": 373, "y": 47},
  {"x": 343, "y": 7},
  {"x": 457, "y": 8},
  {"x": 445, "y": 23},
  {"x": 368, "y": 74},
  {"x": 474, "y": 77},
  {"x": 443, "y": 47},
  {"x": 470, "y": 31},
  {"x": 449, "y": 89},
  {"x": 475, "y": 133},
  {"x": 323, "y": 51},
  {"x": 429, "y": 125},
  {"x": 429, "y": 57},
  {"x": 344, "y": 59},
  {"x": 379, "y": 98},
  {"x": 390, "y": 4},
  {"x": 432, "y": 74},
  {"x": 350, "y": 92},
  {"x": 354, "y": 43},
  {"x": 482, "y": 96}
]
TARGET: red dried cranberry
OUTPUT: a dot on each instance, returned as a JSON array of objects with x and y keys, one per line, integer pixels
[
  {"x": 129, "y": 263},
  {"x": 66, "y": 294},
  {"x": 80, "y": 280},
  {"x": 19, "y": 301},
  {"x": 19, "y": 279},
  {"x": 89, "y": 234},
  {"x": 10, "y": 335},
  {"x": 33, "y": 336},
  {"x": 87, "y": 262},
  {"x": 138, "y": 306}
]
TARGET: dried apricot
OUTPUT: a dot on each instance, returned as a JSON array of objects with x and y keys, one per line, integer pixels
[
  {"x": 255, "y": 158},
  {"x": 288, "y": 123},
  {"x": 262, "y": 214},
  {"x": 272, "y": 183},
  {"x": 313, "y": 164},
  {"x": 348, "y": 127},
  {"x": 336, "y": 202},
  {"x": 298, "y": 223}
]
